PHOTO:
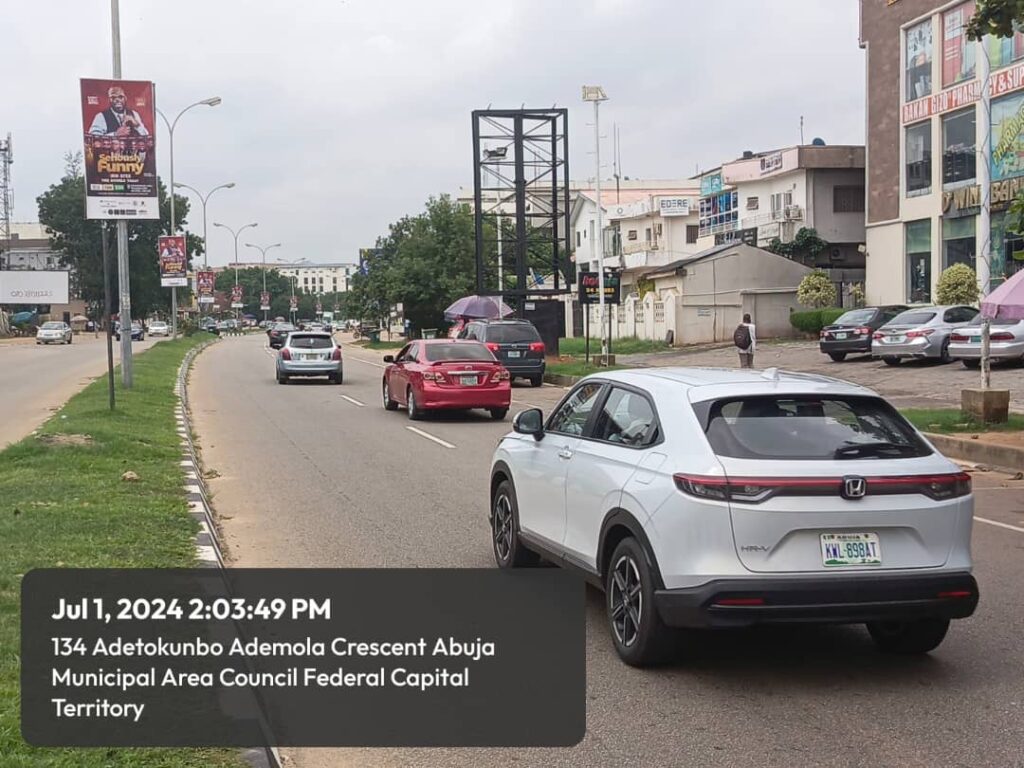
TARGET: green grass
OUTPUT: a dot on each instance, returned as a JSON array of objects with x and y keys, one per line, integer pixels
[
  {"x": 579, "y": 368},
  {"x": 66, "y": 506},
  {"x": 381, "y": 344},
  {"x": 624, "y": 346},
  {"x": 951, "y": 420}
]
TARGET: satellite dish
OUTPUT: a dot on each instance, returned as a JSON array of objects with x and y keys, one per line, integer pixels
[{"x": 818, "y": 142}]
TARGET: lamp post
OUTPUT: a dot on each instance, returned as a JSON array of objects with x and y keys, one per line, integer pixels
[
  {"x": 203, "y": 198},
  {"x": 596, "y": 94},
  {"x": 235, "y": 234},
  {"x": 263, "y": 252},
  {"x": 213, "y": 101}
]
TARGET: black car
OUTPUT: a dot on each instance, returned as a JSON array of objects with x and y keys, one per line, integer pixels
[
  {"x": 138, "y": 333},
  {"x": 277, "y": 334},
  {"x": 852, "y": 331},
  {"x": 515, "y": 343}
]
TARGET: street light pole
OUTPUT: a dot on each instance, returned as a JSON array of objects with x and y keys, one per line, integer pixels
[
  {"x": 124, "y": 305},
  {"x": 235, "y": 234},
  {"x": 263, "y": 252},
  {"x": 596, "y": 94},
  {"x": 213, "y": 101},
  {"x": 203, "y": 199}
]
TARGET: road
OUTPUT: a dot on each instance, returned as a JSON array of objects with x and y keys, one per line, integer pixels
[
  {"x": 353, "y": 485},
  {"x": 36, "y": 380}
]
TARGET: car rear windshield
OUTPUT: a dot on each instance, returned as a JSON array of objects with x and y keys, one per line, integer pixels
[
  {"x": 52, "y": 326},
  {"x": 437, "y": 353},
  {"x": 856, "y": 317},
  {"x": 285, "y": 327},
  {"x": 515, "y": 333},
  {"x": 808, "y": 427},
  {"x": 306, "y": 341},
  {"x": 916, "y": 317}
]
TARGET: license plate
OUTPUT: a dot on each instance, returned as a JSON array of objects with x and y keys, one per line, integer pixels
[
  {"x": 467, "y": 381},
  {"x": 894, "y": 339},
  {"x": 975, "y": 339},
  {"x": 839, "y": 550},
  {"x": 514, "y": 353},
  {"x": 840, "y": 335}
]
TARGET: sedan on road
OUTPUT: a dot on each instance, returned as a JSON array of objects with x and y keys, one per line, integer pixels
[
  {"x": 852, "y": 331},
  {"x": 1006, "y": 342},
  {"x": 306, "y": 353},
  {"x": 921, "y": 332},
  {"x": 159, "y": 328},
  {"x": 277, "y": 334},
  {"x": 437, "y": 374},
  {"x": 714, "y": 499},
  {"x": 54, "y": 332},
  {"x": 137, "y": 331}
]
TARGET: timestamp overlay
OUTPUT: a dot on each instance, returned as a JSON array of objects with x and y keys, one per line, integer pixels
[{"x": 303, "y": 657}]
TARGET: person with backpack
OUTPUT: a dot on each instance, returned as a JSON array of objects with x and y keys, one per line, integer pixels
[{"x": 745, "y": 340}]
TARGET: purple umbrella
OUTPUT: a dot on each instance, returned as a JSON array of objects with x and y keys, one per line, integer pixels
[
  {"x": 478, "y": 307},
  {"x": 1007, "y": 301}
]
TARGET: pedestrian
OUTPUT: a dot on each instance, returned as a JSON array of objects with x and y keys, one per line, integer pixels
[{"x": 745, "y": 340}]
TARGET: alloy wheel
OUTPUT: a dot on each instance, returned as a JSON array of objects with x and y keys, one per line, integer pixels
[
  {"x": 502, "y": 528},
  {"x": 626, "y": 600}
]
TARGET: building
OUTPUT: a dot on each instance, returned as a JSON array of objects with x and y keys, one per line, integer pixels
[
  {"x": 924, "y": 131},
  {"x": 310, "y": 277},
  {"x": 29, "y": 248}
]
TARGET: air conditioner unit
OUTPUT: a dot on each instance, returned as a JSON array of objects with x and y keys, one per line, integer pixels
[{"x": 794, "y": 212}]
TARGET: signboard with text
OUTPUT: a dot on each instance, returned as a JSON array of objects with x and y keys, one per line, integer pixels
[
  {"x": 173, "y": 262},
  {"x": 23, "y": 286},
  {"x": 674, "y": 206},
  {"x": 747, "y": 236},
  {"x": 205, "y": 280},
  {"x": 589, "y": 287},
  {"x": 293, "y": 304},
  {"x": 710, "y": 184},
  {"x": 236, "y": 297},
  {"x": 964, "y": 94}
]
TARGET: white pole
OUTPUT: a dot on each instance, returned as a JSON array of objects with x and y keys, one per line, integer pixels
[
  {"x": 174, "y": 291},
  {"x": 501, "y": 284},
  {"x": 600, "y": 233},
  {"x": 984, "y": 260},
  {"x": 124, "y": 286}
]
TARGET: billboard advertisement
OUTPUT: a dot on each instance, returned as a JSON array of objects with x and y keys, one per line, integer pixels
[
  {"x": 19, "y": 286},
  {"x": 1008, "y": 137},
  {"x": 173, "y": 262},
  {"x": 589, "y": 285},
  {"x": 265, "y": 301},
  {"x": 204, "y": 285},
  {"x": 236, "y": 297},
  {"x": 293, "y": 304},
  {"x": 118, "y": 124}
]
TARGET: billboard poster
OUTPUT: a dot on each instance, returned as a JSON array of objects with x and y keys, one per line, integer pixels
[
  {"x": 1008, "y": 137},
  {"x": 293, "y": 304},
  {"x": 205, "y": 280},
  {"x": 265, "y": 301},
  {"x": 236, "y": 297},
  {"x": 958, "y": 53},
  {"x": 589, "y": 286},
  {"x": 710, "y": 184},
  {"x": 319, "y": 307},
  {"x": 30, "y": 286},
  {"x": 118, "y": 125},
  {"x": 173, "y": 263}
]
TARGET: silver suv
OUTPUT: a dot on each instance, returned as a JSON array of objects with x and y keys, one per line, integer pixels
[{"x": 715, "y": 498}]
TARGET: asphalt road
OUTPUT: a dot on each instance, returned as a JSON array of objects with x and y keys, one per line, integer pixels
[
  {"x": 35, "y": 380},
  {"x": 318, "y": 475}
]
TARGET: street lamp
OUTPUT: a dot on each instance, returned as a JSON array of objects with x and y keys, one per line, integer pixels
[
  {"x": 235, "y": 234},
  {"x": 213, "y": 101},
  {"x": 263, "y": 251},
  {"x": 596, "y": 94},
  {"x": 204, "y": 198}
]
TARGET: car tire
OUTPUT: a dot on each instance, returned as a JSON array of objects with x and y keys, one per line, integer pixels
[
  {"x": 499, "y": 413},
  {"x": 908, "y": 637},
  {"x": 414, "y": 412},
  {"x": 837, "y": 357},
  {"x": 972, "y": 364},
  {"x": 70, "y": 339},
  {"x": 508, "y": 548},
  {"x": 536, "y": 381},
  {"x": 889, "y": 360},
  {"x": 337, "y": 378},
  {"x": 282, "y": 378},
  {"x": 389, "y": 404},
  {"x": 944, "y": 353},
  {"x": 641, "y": 638}
]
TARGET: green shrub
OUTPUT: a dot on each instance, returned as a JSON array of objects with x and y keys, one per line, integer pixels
[
  {"x": 816, "y": 290},
  {"x": 814, "y": 320},
  {"x": 958, "y": 284}
]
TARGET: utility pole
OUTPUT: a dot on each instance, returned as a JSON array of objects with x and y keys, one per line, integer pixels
[
  {"x": 596, "y": 94},
  {"x": 983, "y": 261},
  {"x": 204, "y": 199},
  {"x": 124, "y": 309}
]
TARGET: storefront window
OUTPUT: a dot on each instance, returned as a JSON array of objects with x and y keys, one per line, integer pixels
[
  {"x": 919, "y": 261},
  {"x": 919, "y": 158},
  {"x": 719, "y": 213},
  {"x": 958, "y": 242},
  {"x": 919, "y": 61},
  {"x": 957, "y": 51},
  {"x": 958, "y": 147},
  {"x": 1003, "y": 51}
]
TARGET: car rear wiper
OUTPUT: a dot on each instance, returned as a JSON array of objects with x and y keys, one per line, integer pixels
[{"x": 871, "y": 449}]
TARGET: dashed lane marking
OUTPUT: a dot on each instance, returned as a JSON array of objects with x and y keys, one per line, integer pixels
[
  {"x": 353, "y": 401},
  {"x": 429, "y": 436},
  {"x": 366, "y": 362},
  {"x": 997, "y": 523}
]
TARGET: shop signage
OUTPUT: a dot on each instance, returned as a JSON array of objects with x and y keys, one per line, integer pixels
[
  {"x": 771, "y": 163},
  {"x": 965, "y": 94},
  {"x": 589, "y": 285},
  {"x": 710, "y": 184},
  {"x": 967, "y": 200},
  {"x": 674, "y": 206},
  {"x": 747, "y": 236}
]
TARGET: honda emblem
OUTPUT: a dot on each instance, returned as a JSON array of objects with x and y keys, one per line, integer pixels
[{"x": 854, "y": 487}]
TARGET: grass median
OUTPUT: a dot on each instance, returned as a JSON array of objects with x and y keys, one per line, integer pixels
[
  {"x": 952, "y": 421},
  {"x": 63, "y": 504}
]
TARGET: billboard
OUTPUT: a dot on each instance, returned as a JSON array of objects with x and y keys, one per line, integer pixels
[
  {"x": 173, "y": 262},
  {"x": 118, "y": 125},
  {"x": 1008, "y": 137},
  {"x": 293, "y": 304},
  {"x": 674, "y": 206},
  {"x": 33, "y": 287},
  {"x": 710, "y": 184},
  {"x": 589, "y": 286},
  {"x": 205, "y": 280},
  {"x": 265, "y": 301},
  {"x": 236, "y": 297}
]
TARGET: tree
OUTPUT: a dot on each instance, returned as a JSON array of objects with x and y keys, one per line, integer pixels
[
  {"x": 816, "y": 290},
  {"x": 995, "y": 17},
  {"x": 805, "y": 246},
  {"x": 251, "y": 279},
  {"x": 958, "y": 284}
]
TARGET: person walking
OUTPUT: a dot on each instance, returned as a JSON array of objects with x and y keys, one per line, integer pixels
[{"x": 745, "y": 339}]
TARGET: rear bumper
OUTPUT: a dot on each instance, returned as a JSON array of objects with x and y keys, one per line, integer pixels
[
  {"x": 997, "y": 350},
  {"x": 438, "y": 397},
  {"x": 859, "y": 344},
  {"x": 834, "y": 600},
  {"x": 925, "y": 348},
  {"x": 525, "y": 367},
  {"x": 308, "y": 369}
]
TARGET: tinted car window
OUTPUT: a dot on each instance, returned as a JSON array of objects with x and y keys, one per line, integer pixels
[
  {"x": 809, "y": 428},
  {"x": 914, "y": 317},
  {"x": 572, "y": 417},
  {"x": 514, "y": 333},
  {"x": 627, "y": 418},
  {"x": 960, "y": 315},
  {"x": 462, "y": 351},
  {"x": 304, "y": 341},
  {"x": 856, "y": 317}
]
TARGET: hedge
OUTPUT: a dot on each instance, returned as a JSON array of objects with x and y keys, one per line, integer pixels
[{"x": 813, "y": 320}]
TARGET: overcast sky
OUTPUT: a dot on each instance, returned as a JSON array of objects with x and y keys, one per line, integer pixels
[{"x": 340, "y": 116}]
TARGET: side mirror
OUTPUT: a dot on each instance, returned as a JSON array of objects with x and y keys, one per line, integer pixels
[
  {"x": 389, "y": 358},
  {"x": 529, "y": 422}
]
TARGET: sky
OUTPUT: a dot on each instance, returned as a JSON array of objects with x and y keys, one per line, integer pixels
[{"x": 341, "y": 116}]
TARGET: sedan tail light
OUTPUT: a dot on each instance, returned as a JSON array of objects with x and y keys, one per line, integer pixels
[
  {"x": 537, "y": 346},
  {"x": 877, "y": 335},
  {"x": 958, "y": 337},
  {"x": 822, "y": 333},
  {"x": 500, "y": 375},
  {"x": 337, "y": 354},
  {"x": 1001, "y": 336},
  {"x": 863, "y": 331},
  {"x": 920, "y": 334},
  {"x": 285, "y": 354},
  {"x": 436, "y": 376},
  {"x": 491, "y": 346}
]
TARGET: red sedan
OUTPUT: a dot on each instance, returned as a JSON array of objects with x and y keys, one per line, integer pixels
[{"x": 443, "y": 373}]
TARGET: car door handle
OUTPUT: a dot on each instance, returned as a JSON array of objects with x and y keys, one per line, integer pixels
[{"x": 565, "y": 453}]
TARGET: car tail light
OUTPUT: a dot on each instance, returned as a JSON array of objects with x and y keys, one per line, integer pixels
[
  {"x": 937, "y": 487},
  {"x": 877, "y": 335},
  {"x": 753, "y": 490},
  {"x": 285, "y": 354},
  {"x": 500, "y": 375},
  {"x": 955, "y": 593},
  {"x": 1001, "y": 336},
  {"x": 822, "y": 333},
  {"x": 957, "y": 337},
  {"x": 739, "y": 601},
  {"x": 492, "y": 346},
  {"x": 337, "y": 354},
  {"x": 435, "y": 376},
  {"x": 920, "y": 334},
  {"x": 537, "y": 346},
  {"x": 863, "y": 331}
]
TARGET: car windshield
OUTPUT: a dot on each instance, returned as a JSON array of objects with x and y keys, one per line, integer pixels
[
  {"x": 52, "y": 326},
  {"x": 436, "y": 353},
  {"x": 808, "y": 427},
  {"x": 512, "y": 333},
  {"x": 157, "y": 324},
  {"x": 309, "y": 341},
  {"x": 913, "y": 317},
  {"x": 285, "y": 327},
  {"x": 856, "y": 317}
]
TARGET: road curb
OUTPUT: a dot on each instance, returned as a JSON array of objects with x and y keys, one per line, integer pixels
[
  {"x": 208, "y": 547},
  {"x": 560, "y": 379},
  {"x": 978, "y": 452}
]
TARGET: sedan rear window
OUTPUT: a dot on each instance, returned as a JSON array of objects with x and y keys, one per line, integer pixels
[
  {"x": 516, "y": 333},
  {"x": 303, "y": 341},
  {"x": 52, "y": 326},
  {"x": 808, "y": 427},
  {"x": 436, "y": 353},
  {"x": 914, "y": 317},
  {"x": 855, "y": 317}
]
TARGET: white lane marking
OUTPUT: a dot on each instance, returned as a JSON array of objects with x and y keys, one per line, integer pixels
[
  {"x": 353, "y": 401},
  {"x": 367, "y": 362},
  {"x": 1001, "y": 525},
  {"x": 429, "y": 436}
]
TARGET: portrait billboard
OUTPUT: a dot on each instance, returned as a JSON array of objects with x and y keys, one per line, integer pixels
[
  {"x": 118, "y": 124},
  {"x": 293, "y": 304},
  {"x": 265, "y": 301},
  {"x": 173, "y": 262},
  {"x": 205, "y": 280},
  {"x": 236, "y": 297}
]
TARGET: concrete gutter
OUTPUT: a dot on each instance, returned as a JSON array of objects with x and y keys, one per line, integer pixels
[{"x": 979, "y": 452}]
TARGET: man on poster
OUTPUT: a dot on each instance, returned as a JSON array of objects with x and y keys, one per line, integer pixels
[
  {"x": 173, "y": 263},
  {"x": 117, "y": 119}
]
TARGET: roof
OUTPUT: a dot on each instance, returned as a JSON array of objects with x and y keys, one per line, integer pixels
[
  {"x": 629, "y": 196},
  {"x": 729, "y": 381},
  {"x": 674, "y": 265}
]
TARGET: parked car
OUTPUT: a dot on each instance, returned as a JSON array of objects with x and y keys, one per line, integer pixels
[
  {"x": 921, "y": 332},
  {"x": 852, "y": 331},
  {"x": 713, "y": 498},
  {"x": 515, "y": 343},
  {"x": 52, "y": 332},
  {"x": 1006, "y": 342},
  {"x": 277, "y": 334},
  {"x": 137, "y": 331},
  {"x": 307, "y": 353},
  {"x": 159, "y": 328},
  {"x": 447, "y": 374}
]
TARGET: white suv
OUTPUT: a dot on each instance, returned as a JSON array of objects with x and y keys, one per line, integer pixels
[{"x": 720, "y": 498}]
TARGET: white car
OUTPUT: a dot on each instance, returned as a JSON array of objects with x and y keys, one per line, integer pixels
[
  {"x": 1006, "y": 342},
  {"x": 54, "y": 332},
  {"x": 159, "y": 328},
  {"x": 722, "y": 498}
]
